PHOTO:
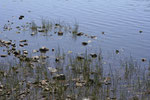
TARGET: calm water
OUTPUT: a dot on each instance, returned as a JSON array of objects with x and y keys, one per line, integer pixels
[{"x": 121, "y": 20}]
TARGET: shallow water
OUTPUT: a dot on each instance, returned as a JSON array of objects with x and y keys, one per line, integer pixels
[{"x": 121, "y": 20}]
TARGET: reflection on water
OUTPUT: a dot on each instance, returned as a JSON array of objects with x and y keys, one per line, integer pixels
[{"x": 120, "y": 20}]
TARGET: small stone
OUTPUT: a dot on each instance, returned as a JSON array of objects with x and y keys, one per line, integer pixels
[
  {"x": 79, "y": 34},
  {"x": 59, "y": 77},
  {"x": 84, "y": 43},
  {"x": 93, "y": 55},
  {"x": 43, "y": 49},
  {"x": 23, "y": 40},
  {"x": 143, "y": 59},
  {"x": 52, "y": 70},
  {"x": 21, "y": 45},
  {"x": 53, "y": 49},
  {"x": 25, "y": 52},
  {"x": 3, "y": 56},
  {"x": 21, "y": 17},
  {"x": 140, "y": 31},
  {"x": 34, "y": 51},
  {"x": 117, "y": 51},
  {"x": 60, "y": 33},
  {"x": 41, "y": 30}
]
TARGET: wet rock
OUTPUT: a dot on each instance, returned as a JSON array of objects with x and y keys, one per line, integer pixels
[
  {"x": 107, "y": 81},
  {"x": 33, "y": 33},
  {"x": 35, "y": 58},
  {"x": 41, "y": 30},
  {"x": 13, "y": 48},
  {"x": 143, "y": 59},
  {"x": 59, "y": 77},
  {"x": 103, "y": 32},
  {"x": 117, "y": 51},
  {"x": 93, "y": 55},
  {"x": 94, "y": 37},
  {"x": 44, "y": 57},
  {"x": 53, "y": 49},
  {"x": 21, "y": 45},
  {"x": 25, "y": 52},
  {"x": 34, "y": 51},
  {"x": 84, "y": 43},
  {"x": 57, "y": 59},
  {"x": 23, "y": 40},
  {"x": 60, "y": 33},
  {"x": 16, "y": 52},
  {"x": 140, "y": 31},
  {"x": 43, "y": 49},
  {"x": 7, "y": 42},
  {"x": 25, "y": 44},
  {"x": 52, "y": 70},
  {"x": 44, "y": 82},
  {"x": 80, "y": 34},
  {"x": 3, "y": 56},
  {"x": 80, "y": 57},
  {"x": 21, "y": 17}
]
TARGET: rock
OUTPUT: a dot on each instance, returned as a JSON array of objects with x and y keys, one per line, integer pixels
[
  {"x": 41, "y": 30},
  {"x": 140, "y": 31},
  {"x": 80, "y": 34},
  {"x": 21, "y": 45},
  {"x": 59, "y": 77},
  {"x": 35, "y": 58},
  {"x": 93, "y": 37},
  {"x": 60, "y": 33},
  {"x": 53, "y": 49},
  {"x": 7, "y": 42},
  {"x": 143, "y": 59},
  {"x": 84, "y": 43},
  {"x": 25, "y": 52},
  {"x": 52, "y": 70},
  {"x": 3, "y": 56},
  {"x": 57, "y": 59},
  {"x": 25, "y": 44},
  {"x": 43, "y": 49},
  {"x": 80, "y": 57},
  {"x": 117, "y": 51},
  {"x": 21, "y": 17},
  {"x": 34, "y": 51},
  {"x": 93, "y": 55},
  {"x": 23, "y": 40}
]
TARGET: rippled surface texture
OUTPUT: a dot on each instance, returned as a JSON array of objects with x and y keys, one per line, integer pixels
[{"x": 121, "y": 20}]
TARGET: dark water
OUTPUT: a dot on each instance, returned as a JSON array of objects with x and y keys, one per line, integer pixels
[{"x": 121, "y": 20}]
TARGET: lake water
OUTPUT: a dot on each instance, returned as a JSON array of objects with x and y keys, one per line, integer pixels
[{"x": 121, "y": 20}]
